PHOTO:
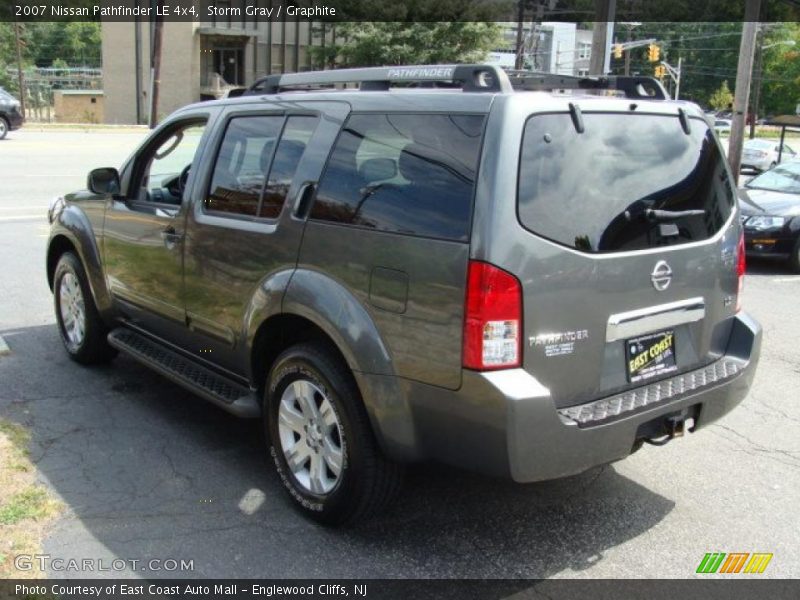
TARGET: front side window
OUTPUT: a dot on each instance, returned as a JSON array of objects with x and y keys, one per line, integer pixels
[
  {"x": 628, "y": 182},
  {"x": 404, "y": 173}
]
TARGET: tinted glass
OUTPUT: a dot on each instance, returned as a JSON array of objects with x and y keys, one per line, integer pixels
[
  {"x": 411, "y": 174},
  {"x": 592, "y": 191},
  {"x": 242, "y": 165},
  {"x": 293, "y": 143}
]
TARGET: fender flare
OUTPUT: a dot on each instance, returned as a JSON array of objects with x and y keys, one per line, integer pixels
[
  {"x": 337, "y": 312},
  {"x": 73, "y": 224}
]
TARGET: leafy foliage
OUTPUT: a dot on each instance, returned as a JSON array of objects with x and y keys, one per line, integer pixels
[
  {"x": 393, "y": 43},
  {"x": 77, "y": 44},
  {"x": 781, "y": 71},
  {"x": 722, "y": 99}
]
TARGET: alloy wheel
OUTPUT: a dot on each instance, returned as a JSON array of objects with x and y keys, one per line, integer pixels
[
  {"x": 73, "y": 310},
  {"x": 310, "y": 437}
]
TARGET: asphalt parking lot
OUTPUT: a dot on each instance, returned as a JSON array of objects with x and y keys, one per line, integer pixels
[{"x": 147, "y": 471}]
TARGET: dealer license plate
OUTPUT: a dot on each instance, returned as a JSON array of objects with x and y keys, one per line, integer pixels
[{"x": 650, "y": 355}]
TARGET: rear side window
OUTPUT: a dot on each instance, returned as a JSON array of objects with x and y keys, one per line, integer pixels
[
  {"x": 405, "y": 173},
  {"x": 242, "y": 164},
  {"x": 628, "y": 182},
  {"x": 251, "y": 177},
  {"x": 293, "y": 143}
]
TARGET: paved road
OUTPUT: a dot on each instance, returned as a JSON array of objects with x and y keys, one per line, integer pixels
[{"x": 149, "y": 472}]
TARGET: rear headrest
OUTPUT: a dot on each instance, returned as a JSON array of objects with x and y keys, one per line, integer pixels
[
  {"x": 378, "y": 169},
  {"x": 289, "y": 154}
]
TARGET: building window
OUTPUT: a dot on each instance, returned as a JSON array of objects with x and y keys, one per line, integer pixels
[
  {"x": 583, "y": 72},
  {"x": 584, "y": 50}
]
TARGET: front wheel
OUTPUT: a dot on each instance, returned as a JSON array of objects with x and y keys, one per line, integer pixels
[
  {"x": 4, "y": 127},
  {"x": 82, "y": 330},
  {"x": 794, "y": 259},
  {"x": 321, "y": 440}
]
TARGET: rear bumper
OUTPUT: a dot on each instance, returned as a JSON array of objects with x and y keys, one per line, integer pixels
[{"x": 506, "y": 424}]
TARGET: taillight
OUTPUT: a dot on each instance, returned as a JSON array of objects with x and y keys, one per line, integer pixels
[
  {"x": 493, "y": 318},
  {"x": 741, "y": 267}
]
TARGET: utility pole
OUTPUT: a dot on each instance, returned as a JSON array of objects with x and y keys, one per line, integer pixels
[
  {"x": 759, "y": 60},
  {"x": 20, "y": 76},
  {"x": 155, "y": 70},
  {"x": 603, "y": 23},
  {"x": 628, "y": 52},
  {"x": 744, "y": 74},
  {"x": 518, "y": 58}
]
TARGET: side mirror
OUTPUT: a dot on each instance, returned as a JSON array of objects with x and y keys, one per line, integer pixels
[{"x": 103, "y": 181}]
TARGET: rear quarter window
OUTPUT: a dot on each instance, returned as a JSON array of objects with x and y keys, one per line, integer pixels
[
  {"x": 592, "y": 191},
  {"x": 404, "y": 173}
]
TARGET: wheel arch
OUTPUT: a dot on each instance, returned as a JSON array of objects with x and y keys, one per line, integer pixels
[
  {"x": 71, "y": 231},
  {"x": 317, "y": 308}
]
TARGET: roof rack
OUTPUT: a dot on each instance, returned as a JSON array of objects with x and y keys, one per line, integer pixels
[
  {"x": 641, "y": 88},
  {"x": 471, "y": 78}
]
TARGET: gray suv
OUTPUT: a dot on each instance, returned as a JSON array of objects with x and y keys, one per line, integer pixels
[{"x": 520, "y": 274}]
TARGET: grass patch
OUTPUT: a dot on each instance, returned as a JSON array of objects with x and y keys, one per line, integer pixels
[
  {"x": 26, "y": 507},
  {"x": 17, "y": 435},
  {"x": 31, "y": 503}
]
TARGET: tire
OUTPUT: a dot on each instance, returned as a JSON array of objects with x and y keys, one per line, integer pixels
[
  {"x": 79, "y": 324},
  {"x": 313, "y": 409},
  {"x": 4, "y": 128},
  {"x": 794, "y": 259}
]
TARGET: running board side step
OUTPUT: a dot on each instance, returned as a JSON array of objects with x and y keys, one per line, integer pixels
[{"x": 209, "y": 385}]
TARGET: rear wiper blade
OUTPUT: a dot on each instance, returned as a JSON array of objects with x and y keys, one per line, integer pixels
[{"x": 668, "y": 215}]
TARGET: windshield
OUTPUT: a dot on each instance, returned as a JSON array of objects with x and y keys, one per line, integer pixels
[
  {"x": 784, "y": 178},
  {"x": 627, "y": 182}
]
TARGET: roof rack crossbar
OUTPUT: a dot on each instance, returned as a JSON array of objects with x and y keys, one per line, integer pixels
[
  {"x": 471, "y": 78},
  {"x": 636, "y": 87}
]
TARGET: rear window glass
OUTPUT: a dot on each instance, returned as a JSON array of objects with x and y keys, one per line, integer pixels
[
  {"x": 627, "y": 182},
  {"x": 405, "y": 173}
]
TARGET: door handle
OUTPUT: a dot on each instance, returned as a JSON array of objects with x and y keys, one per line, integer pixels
[{"x": 304, "y": 199}]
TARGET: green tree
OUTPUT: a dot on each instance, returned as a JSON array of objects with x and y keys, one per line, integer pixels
[
  {"x": 780, "y": 91},
  {"x": 722, "y": 98},
  {"x": 394, "y": 43}
]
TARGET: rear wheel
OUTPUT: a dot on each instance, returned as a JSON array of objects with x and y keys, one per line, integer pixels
[
  {"x": 4, "y": 127},
  {"x": 82, "y": 330},
  {"x": 321, "y": 440}
]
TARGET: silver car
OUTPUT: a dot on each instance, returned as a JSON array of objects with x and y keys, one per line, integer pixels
[{"x": 760, "y": 155}]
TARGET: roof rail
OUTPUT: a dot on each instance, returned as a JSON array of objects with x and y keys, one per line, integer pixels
[
  {"x": 471, "y": 78},
  {"x": 641, "y": 88}
]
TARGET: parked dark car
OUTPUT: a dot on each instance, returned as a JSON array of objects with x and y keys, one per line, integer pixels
[
  {"x": 489, "y": 274},
  {"x": 10, "y": 117},
  {"x": 770, "y": 206}
]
